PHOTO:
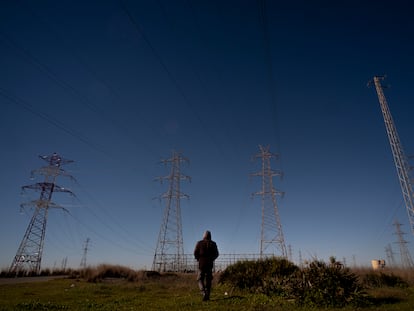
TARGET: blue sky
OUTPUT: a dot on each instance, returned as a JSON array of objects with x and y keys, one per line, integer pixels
[{"x": 117, "y": 85}]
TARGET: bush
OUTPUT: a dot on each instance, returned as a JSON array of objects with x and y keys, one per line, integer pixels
[
  {"x": 331, "y": 285},
  {"x": 316, "y": 285},
  {"x": 105, "y": 271},
  {"x": 266, "y": 276},
  {"x": 45, "y": 272}
]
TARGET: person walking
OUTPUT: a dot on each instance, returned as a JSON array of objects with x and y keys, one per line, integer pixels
[{"x": 205, "y": 253}]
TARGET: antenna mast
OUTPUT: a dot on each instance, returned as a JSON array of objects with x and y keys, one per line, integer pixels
[
  {"x": 271, "y": 230},
  {"x": 400, "y": 160},
  {"x": 29, "y": 255},
  {"x": 169, "y": 253}
]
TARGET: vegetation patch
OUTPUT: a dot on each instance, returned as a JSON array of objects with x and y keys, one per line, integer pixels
[
  {"x": 265, "y": 276},
  {"x": 40, "y": 306},
  {"x": 316, "y": 285},
  {"x": 113, "y": 273},
  {"x": 329, "y": 285},
  {"x": 381, "y": 279},
  {"x": 267, "y": 285}
]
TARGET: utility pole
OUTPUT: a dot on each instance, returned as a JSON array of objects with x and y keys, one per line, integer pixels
[
  {"x": 406, "y": 260},
  {"x": 169, "y": 253},
  {"x": 400, "y": 160},
  {"x": 271, "y": 229},
  {"x": 29, "y": 254},
  {"x": 85, "y": 252}
]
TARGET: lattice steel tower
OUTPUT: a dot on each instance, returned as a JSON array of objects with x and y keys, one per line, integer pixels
[
  {"x": 390, "y": 255},
  {"x": 271, "y": 229},
  {"x": 406, "y": 260},
  {"x": 29, "y": 255},
  {"x": 169, "y": 253},
  {"x": 400, "y": 160},
  {"x": 85, "y": 253}
]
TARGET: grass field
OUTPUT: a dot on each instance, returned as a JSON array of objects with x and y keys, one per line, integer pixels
[{"x": 165, "y": 292}]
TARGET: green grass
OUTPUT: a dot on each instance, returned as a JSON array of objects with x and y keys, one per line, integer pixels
[{"x": 168, "y": 292}]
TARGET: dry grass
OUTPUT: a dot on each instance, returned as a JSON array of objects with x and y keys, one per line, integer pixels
[
  {"x": 105, "y": 272},
  {"x": 407, "y": 275},
  {"x": 113, "y": 287}
]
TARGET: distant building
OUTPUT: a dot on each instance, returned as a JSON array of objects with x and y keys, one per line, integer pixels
[{"x": 378, "y": 264}]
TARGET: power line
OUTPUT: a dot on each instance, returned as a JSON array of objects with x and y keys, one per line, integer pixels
[
  {"x": 46, "y": 70},
  {"x": 171, "y": 77},
  {"x": 269, "y": 68},
  {"x": 104, "y": 237},
  {"x": 70, "y": 89},
  {"x": 68, "y": 48},
  {"x": 55, "y": 122},
  {"x": 201, "y": 37},
  {"x": 113, "y": 221}
]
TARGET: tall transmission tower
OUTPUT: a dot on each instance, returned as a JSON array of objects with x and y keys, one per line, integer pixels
[
  {"x": 169, "y": 253},
  {"x": 64, "y": 263},
  {"x": 406, "y": 260},
  {"x": 390, "y": 255},
  {"x": 271, "y": 229},
  {"x": 85, "y": 252},
  {"x": 400, "y": 160},
  {"x": 29, "y": 254},
  {"x": 290, "y": 252},
  {"x": 300, "y": 259}
]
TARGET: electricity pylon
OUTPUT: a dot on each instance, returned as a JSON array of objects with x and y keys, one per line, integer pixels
[
  {"x": 271, "y": 229},
  {"x": 400, "y": 160},
  {"x": 169, "y": 253},
  {"x": 29, "y": 254},
  {"x": 390, "y": 255},
  {"x": 406, "y": 260},
  {"x": 85, "y": 252}
]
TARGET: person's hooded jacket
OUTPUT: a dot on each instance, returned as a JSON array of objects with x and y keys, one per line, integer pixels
[{"x": 206, "y": 252}]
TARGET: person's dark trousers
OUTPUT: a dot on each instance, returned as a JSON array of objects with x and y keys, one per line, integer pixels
[{"x": 205, "y": 276}]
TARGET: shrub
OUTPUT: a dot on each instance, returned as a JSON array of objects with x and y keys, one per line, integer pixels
[
  {"x": 268, "y": 276},
  {"x": 381, "y": 279},
  {"x": 45, "y": 272},
  {"x": 331, "y": 285},
  {"x": 316, "y": 285},
  {"x": 105, "y": 271}
]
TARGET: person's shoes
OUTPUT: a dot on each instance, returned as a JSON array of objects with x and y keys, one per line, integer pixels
[
  {"x": 203, "y": 294},
  {"x": 206, "y": 295}
]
